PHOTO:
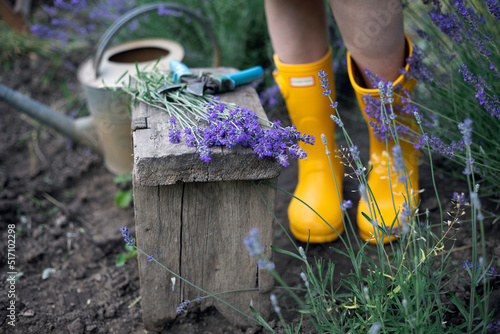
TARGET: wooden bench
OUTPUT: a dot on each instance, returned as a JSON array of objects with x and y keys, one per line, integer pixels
[{"x": 193, "y": 216}]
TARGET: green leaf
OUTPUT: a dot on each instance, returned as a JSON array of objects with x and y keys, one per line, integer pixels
[
  {"x": 339, "y": 251},
  {"x": 282, "y": 251},
  {"x": 121, "y": 259},
  {"x": 461, "y": 306},
  {"x": 123, "y": 198},
  {"x": 261, "y": 320},
  {"x": 366, "y": 216}
]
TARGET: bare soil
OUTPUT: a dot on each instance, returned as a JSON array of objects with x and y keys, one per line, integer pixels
[{"x": 60, "y": 198}]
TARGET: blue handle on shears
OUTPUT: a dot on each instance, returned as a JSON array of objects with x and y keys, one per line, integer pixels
[
  {"x": 179, "y": 69},
  {"x": 245, "y": 76}
]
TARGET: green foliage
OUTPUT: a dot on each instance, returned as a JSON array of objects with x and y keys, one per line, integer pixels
[
  {"x": 16, "y": 45},
  {"x": 123, "y": 257},
  {"x": 239, "y": 26},
  {"x": 124, "y": 197}
]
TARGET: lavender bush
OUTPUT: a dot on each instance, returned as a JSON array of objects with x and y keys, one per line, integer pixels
[{"x": 456, "y": 61}]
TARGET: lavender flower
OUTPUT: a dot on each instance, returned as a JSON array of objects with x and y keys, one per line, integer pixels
[
  {"x": 494, "y": 327},
  {"x": 490, "y": 272},
  {"x": 375, "y": 328},
  {"x": 459, "y": 199},
  {"x": 150, "y": 258},
  {"x": 346, "y": 204},
  {"x": 239, "y": 126},
  {"x": 302, "y": 253},
  {"x": 324, "y": 83},
  {"x": 183, "y": 307},
  {"x": 494, "y": 8},
  {"x": 174, "y": 134},
  {"x": 270, "y": 96},
  {"x": 404, "y": 216},
  {"x": 363, "y": 192},
  {"x": 266, "y": 264},
  {"x": 337, "y": 120},
  {"x": 354, "y": 152},
  {"x": 252, "y": 243},
  {"x": 466, "y": 130},
  {"x": 63, "y": 27},
  {"x": 274, "y": 303},
  {"x": 476, "y": 203},
  {"x": 489, "y": 101},
  {"x": 127, "y": 236},
  {"x": 305, "y": 279},
  {"x": 398, "y": 162},
  {"x": 417, "y": 68},
  {"x": 256, "y": 249}
]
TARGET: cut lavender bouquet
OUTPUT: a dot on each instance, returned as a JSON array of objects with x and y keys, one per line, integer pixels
[{"x": 205, "y": 122}]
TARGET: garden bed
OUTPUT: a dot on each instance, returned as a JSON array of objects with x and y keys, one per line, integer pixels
[{"x": 61, "y": 200}]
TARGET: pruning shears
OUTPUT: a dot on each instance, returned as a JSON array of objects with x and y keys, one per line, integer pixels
[{"x": 208, "y": 83}]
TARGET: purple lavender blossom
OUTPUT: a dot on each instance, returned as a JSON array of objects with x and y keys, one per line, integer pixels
[
  {"x": 324, "y": 83},
  {"x": 256, "y": 249},
  {"x": 63, "y": 27},
  {"x": 274, "y": 303},
  {"x": 466, "y": 129},
  {"x": 489, "y": 101},
  {"x": 398, "y": 161},
  {"x": 354, "y": 152},
  {"x": 489, "y": 272},
  {"x": 270, "y": 96},
  {"x": 169, "y": 12},
  {"x": 252, "y": 243},
  {"x": 494, "y": 327},
  {"x": 150, "y": 258},
  {"x": 494, "y": 8},
  {"x": 417, "y": 68},
  {"x": 459, "y": 199},
  {"x": 240, "y": 126},
  {"x": 127, "y": 236},
  {"x": 174, "y": 134},
  {"x": 346, "y": 204}
]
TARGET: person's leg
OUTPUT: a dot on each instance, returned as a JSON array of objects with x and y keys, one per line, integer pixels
[
  {"x": 373, "y": 34},
  {"x": 297, "y": 29},
  {"x": 299, "y": 36},
  {"x": 374, "y": 37}
]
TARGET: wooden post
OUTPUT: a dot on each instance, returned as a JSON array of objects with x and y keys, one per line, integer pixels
[{"x": 193, "y": 216}]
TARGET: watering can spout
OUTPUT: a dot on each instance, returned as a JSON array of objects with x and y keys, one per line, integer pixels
[{"x": 81, "y": 130}]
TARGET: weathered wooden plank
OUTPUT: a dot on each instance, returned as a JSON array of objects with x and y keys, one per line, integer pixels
[
  {"x": 158, "y": 232},
  {"x": 216, "y": 217},
  {"x": 159, "y": 162}
]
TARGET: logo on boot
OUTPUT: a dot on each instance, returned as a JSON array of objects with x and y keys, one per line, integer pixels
[{"x": 302, "y": 81}]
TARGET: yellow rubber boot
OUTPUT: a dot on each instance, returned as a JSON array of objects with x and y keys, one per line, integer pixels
[
  {"x": 310, "y": 112},
  {"x": 389, "y": 193}
]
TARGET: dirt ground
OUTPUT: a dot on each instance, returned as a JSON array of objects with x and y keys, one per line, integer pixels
[{"x": 60, "y": 198}]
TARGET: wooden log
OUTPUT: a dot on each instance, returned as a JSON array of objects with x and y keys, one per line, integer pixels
[{"x": 193, "y": 216}]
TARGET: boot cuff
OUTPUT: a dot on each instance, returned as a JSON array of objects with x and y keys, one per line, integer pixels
[
  {"x": 355, "y": 75},
  {"x": 321, "y": 64}
]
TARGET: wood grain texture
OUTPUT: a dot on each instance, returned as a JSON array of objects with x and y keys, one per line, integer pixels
[
  {"x": 217, "y": 216},
  {"x": 158, "y": 232}
]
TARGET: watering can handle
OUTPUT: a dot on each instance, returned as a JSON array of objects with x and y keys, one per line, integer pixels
[{"x": 108, "y": 36}]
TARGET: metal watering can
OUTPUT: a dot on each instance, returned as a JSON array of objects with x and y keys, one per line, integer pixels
[{"x": 108, "y": 128}]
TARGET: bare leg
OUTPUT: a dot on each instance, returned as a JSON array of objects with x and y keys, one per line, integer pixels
[
  {"x": 373, "y": 33},
  {"x": 298, "y": 30}
]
